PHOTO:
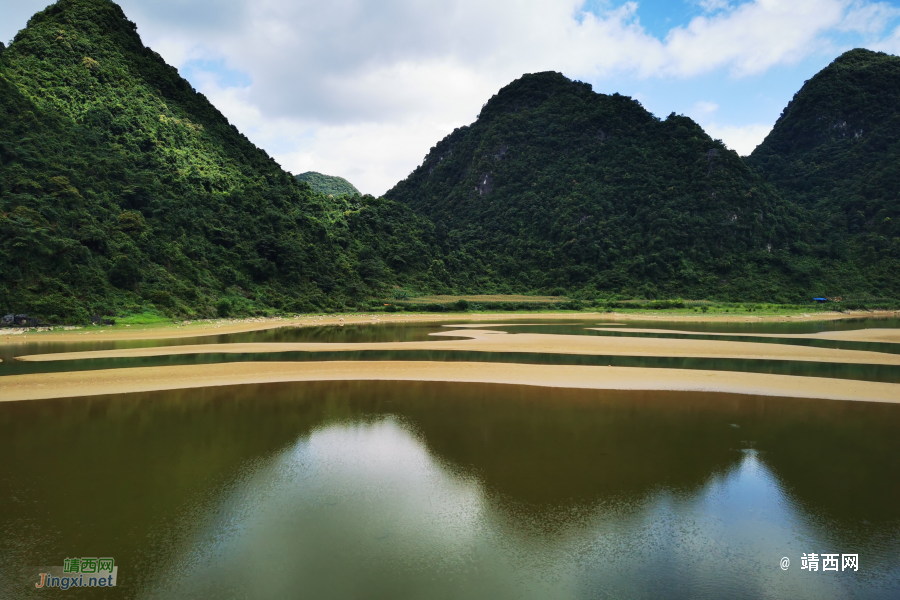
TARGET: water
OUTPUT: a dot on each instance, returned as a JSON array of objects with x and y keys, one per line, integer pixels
[
  {"x": 428, "y": 490},
  {"x": 381, "y": 332},
  {"x": 857, "y": 371},
  {"x": 408, "y": 332}
]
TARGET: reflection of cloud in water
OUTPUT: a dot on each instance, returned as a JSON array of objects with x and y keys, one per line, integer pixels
[
  {"x": 351, "y": 509},
  {"x": 362, "y": 509},
  {"x": 383, "y": 489},
  {"x": 721, "y": 541}
]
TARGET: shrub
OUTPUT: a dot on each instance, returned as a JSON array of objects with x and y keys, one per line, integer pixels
[{"x": 224, "y": 307}]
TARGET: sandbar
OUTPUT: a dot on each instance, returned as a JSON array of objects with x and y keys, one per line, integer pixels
[
  {"x": 497, "y": 341},
  {"x": 884, "y": 336},
  {"x": 145, "y": 379}
]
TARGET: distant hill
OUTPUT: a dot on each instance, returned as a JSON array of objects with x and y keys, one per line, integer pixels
[
  {"x": 330, "y": 185},
  {"x": 122, "y": 189},
  {"x": 835, "y": 152},
  {"x": 557, "y": 187}
]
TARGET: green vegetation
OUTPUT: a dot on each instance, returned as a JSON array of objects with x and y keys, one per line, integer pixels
[
  {"x": 503, "y": 303},
  {"x": 329, "y": 185},
  {"x": 835, "y": 152},
  {"x": 557, "y": 188},
  {"x": 144, "y": 318},
  {"x": 123, "y": 191}
]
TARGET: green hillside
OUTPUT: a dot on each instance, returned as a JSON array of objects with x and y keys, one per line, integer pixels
[
  {"x": 558, "y": 187},
  {"x": 122, "y": 189},
  {"x": 836, "y": 152},
  {"x": 329, "y": 185}
]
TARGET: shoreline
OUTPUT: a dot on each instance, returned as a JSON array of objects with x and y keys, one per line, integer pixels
[
  {"x": 47, "y": 386},
  {"x": 500, "y": 342},
  {"x": 881, "y": 336},
  {"x": 228, "y": 326}
]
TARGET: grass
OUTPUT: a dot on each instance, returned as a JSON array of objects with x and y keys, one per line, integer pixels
[
  {"x": 144, "y": 318},
  {"x": 482, "y": 298}
]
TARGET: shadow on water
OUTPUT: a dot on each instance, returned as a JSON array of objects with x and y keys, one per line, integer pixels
[{"x": 442, "y": 490}]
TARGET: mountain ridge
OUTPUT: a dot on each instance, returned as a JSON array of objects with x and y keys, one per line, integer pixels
[
  {"x": 835, "y": 151},
  {"x": 123, "y": 189},
  {"x": 615, "y": 200}
]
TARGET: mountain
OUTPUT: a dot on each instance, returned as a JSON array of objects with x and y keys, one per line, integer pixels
[
  {"x": 329, "y": 185},
  {"x": 835, "y": 151},
  {"x": 123, "y": 189},
  {"x": 556, "y": 187}
]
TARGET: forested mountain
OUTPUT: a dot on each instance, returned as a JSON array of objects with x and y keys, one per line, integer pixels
[
  {"x": 121, "y": 188},
  {"x": 835, "y": 151},
  {"x": 330, "y": 185},
  {"x": 555, "y": 186}
]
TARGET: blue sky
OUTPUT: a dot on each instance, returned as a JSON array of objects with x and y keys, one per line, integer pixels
[{"x": 363, "y": 88}]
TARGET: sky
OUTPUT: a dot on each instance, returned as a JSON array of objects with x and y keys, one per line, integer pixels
[{"x": 364, "y": 88}]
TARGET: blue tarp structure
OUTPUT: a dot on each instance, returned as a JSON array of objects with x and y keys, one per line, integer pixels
[{"x": 821, "y": 299}]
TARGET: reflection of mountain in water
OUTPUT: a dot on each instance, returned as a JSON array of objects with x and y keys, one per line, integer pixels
[{"x": 640, "y": 491}]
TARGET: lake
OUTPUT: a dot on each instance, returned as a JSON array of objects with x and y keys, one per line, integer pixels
[{"x": 439, "y": 490}]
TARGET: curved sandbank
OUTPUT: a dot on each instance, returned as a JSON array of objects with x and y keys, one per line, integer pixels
[
  {"x": 498, "y": 341},
  {"x": 198, "y": 329},
  {"x": 145, "y": 379},
  {"x": 884, "y": 336}
]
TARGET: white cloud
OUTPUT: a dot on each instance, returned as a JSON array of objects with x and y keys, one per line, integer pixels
[
  {"x": 890, "y": 44},
  {"x": 868, "y": 17},
  {"x": 365, "y": 87},
  {"x": 714, "y": 5},
  {"x": 740, "y": 138}
]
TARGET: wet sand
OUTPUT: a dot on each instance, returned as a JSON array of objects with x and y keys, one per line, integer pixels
[
  {"x": 495, "y": 341},
  {"x": 885, "y": 336},
  {"x": 119, "y": 381}
]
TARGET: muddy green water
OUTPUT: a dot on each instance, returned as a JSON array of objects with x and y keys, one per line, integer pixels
[
  {"x": 396, "y": 332},
  {"x": 426, "y": 490}
]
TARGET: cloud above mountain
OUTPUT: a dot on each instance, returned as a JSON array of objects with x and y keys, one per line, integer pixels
[{"x": 363, "y": 88}]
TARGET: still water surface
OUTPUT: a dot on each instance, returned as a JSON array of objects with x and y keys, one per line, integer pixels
[
  {"x": 407, "y": 332},
  {"x": 430, "y": 490}
]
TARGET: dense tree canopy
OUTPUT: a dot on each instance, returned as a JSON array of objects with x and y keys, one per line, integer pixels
[
  {"x": 329, "y": 185},
  {"x": 555, "y": 186},
  {"x": 122, "y": 189},
  {"x": 835, "y": 151},
  {"x": 120, "y": 186}
]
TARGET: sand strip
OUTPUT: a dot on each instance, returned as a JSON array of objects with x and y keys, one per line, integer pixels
[
  {"x": 884, "y": 336},
  {"x": 497, "y": 341},
  {"x": 118, "y": 381}
]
